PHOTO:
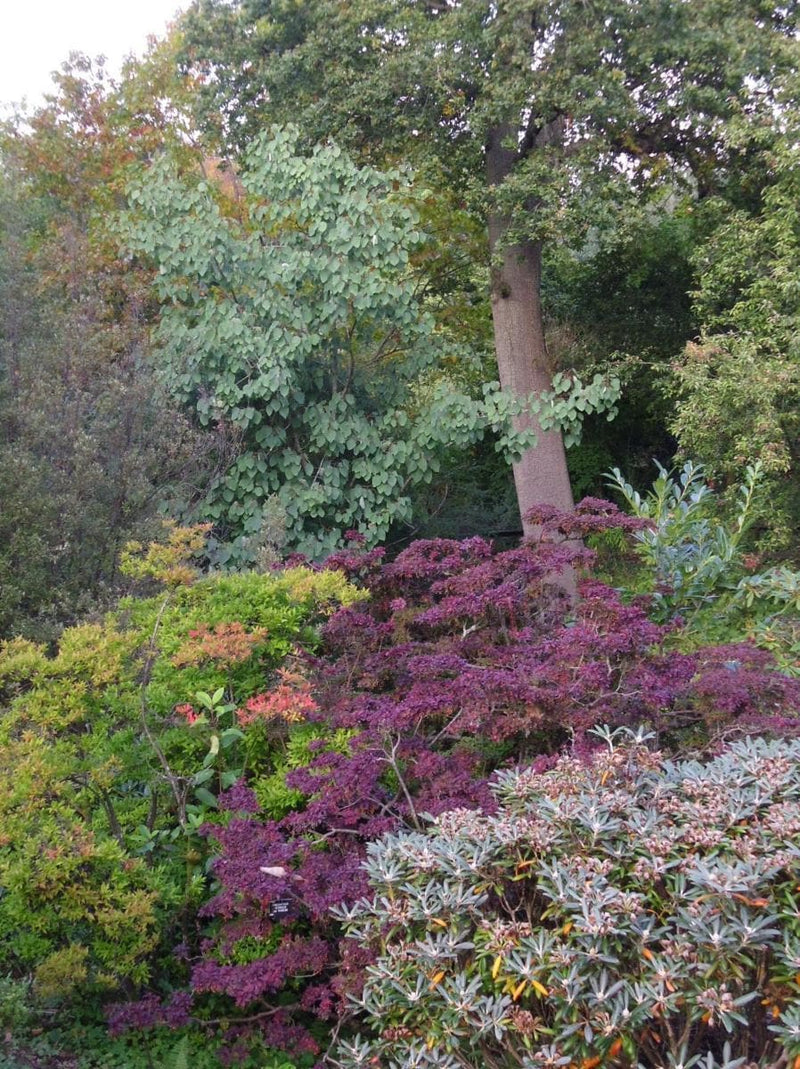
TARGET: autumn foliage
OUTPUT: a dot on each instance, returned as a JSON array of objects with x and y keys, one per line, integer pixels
[{"x": 463, "y": 659}]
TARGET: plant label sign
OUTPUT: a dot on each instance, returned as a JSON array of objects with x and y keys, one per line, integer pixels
[{"x": 280, "y": 909}]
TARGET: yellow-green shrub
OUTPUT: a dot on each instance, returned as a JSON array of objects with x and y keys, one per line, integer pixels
[{"x": 108, "y": 784}]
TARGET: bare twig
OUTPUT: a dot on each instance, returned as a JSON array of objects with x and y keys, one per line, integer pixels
[
  {"x": 176, "y": 783},
  {"x": 391, "y": 758}
]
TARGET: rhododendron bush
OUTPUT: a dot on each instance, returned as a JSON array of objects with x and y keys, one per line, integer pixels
[
  {"x": 463, "y": 659},
  {"x": 620, "y": 910}
]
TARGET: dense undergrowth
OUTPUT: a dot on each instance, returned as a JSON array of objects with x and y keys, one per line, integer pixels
[{"x": 194, "y": 781}]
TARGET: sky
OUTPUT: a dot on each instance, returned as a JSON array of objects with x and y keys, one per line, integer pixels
[{"x": 38, "y": 35}]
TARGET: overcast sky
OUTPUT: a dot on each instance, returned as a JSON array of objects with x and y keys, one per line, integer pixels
[{"x": 38, "y": 35}]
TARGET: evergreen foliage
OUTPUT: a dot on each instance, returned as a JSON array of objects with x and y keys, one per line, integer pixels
[
  {"x": 462, "y": 659},
  {"x": 548, "y": 122},
  {"x": 115, "y": 750},
  {"x": 737, "y": 388},
  {"x": 209, "y": 782},
  {"x": 90, "y": 445},
  {"x": 626, "y": 909}
]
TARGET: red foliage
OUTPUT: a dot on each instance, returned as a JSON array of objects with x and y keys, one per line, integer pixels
[
  {"x": 290, "y": 700},
  {"x": 463, "y": 659},
  {"x": 227, "y": 643}
]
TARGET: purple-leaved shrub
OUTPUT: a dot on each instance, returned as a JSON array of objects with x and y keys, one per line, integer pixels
[{"x": 462, "y": 659}]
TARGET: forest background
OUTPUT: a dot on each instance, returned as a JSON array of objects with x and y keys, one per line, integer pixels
[
  {"x": 648, "y": 199},
  {"x": 317, "y": 276}
]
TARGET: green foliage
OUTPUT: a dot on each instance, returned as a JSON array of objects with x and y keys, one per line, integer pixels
[
  {"x": 627, "y": 291},
  {"x": 473, "y": 492},
  {"x": 551, "y": 123},
  {"x": 737, "y": 390},
  {"x": 777, "y": 627},
  {"x": 166, "y": 561},
  {"x": 275, "y": 797},
  {"x": 80, "y": 1046},
  {"x": 695, "y": 551},
  {"x": 295, "y": 318},
  {"x": 328, "y": 361},
  {"x": 408, "y": 80},
  {"x": 622, "y": 303},
  {"x": 697, "y": 564},
  {"x": 737, "y": 402},
  {"x": 307, "y": 299},
  {"x": 626, "y": 910},
  {"x": 89, "y": 444},
  {"x": 14, "y": 1007},
  {"x": 115, "y": 748}
]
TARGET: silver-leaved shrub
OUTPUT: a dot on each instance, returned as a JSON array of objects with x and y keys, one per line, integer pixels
[{"x": 625, "y": 911}]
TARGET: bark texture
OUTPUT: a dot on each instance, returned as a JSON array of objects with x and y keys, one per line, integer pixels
[{"x": 541, "y": 475}]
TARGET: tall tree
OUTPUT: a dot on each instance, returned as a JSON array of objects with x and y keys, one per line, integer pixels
[
  {"x": 291, "y": 315},
  {"x": 89, "y": 443},
  {"x": 545, "y": 114},
  {"x": 737, "y": 386}
]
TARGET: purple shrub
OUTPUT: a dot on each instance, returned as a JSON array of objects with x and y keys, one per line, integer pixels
[{"x": 463, "y": 659}]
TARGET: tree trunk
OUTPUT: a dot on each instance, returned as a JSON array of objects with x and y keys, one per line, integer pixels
[{"x": 541, "y": 475}]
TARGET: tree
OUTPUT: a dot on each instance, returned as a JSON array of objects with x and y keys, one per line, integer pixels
[
  {"x": 738, "y": 386},
  {"x": 89, "y": 443},
  {"x": 291, "y": 316},
  {"x": 542, "y": 115}
]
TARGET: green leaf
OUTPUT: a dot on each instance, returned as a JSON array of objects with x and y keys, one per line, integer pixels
[{"x": 206, "y": 797}]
